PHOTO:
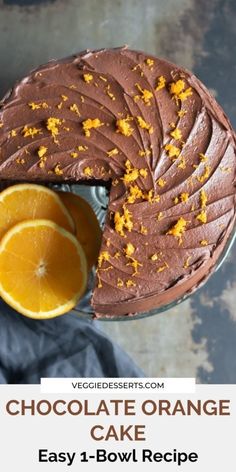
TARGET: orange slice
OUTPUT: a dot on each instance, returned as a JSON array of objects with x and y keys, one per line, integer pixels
[
  {"x": 43, "y": 269},
  {"x": 30, "y": 201},
  {"x": 88, "y": 231}
]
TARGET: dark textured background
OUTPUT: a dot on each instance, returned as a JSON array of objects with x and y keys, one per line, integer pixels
[{"x": 197, "y": 338}]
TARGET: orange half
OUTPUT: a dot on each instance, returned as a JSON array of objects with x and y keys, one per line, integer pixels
[
  {"x": 43, "y": 269},
  {"x": 30, "y": 201},
  {"x": 87, "y": 229}
]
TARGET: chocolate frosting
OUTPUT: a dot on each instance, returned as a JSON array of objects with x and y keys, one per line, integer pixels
[{"x": 153, "y": 131}]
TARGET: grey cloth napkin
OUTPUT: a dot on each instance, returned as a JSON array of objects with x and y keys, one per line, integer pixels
[{"x": 67, "y": 346}]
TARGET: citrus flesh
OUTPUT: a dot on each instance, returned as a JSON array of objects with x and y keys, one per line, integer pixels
[
  {"x": 43, "y": 269},
  {"x": 87, "y": 229},
  {"x": 30, "y": 201}
]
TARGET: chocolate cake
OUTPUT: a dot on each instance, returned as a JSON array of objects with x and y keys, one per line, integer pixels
[{"x": 151, "y": 132}]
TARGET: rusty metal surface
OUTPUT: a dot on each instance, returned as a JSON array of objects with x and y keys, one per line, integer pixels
[{"x": 197, "y": 338}]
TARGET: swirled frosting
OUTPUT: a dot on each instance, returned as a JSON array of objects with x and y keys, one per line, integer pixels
[{"x": 153, "y": 133}]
